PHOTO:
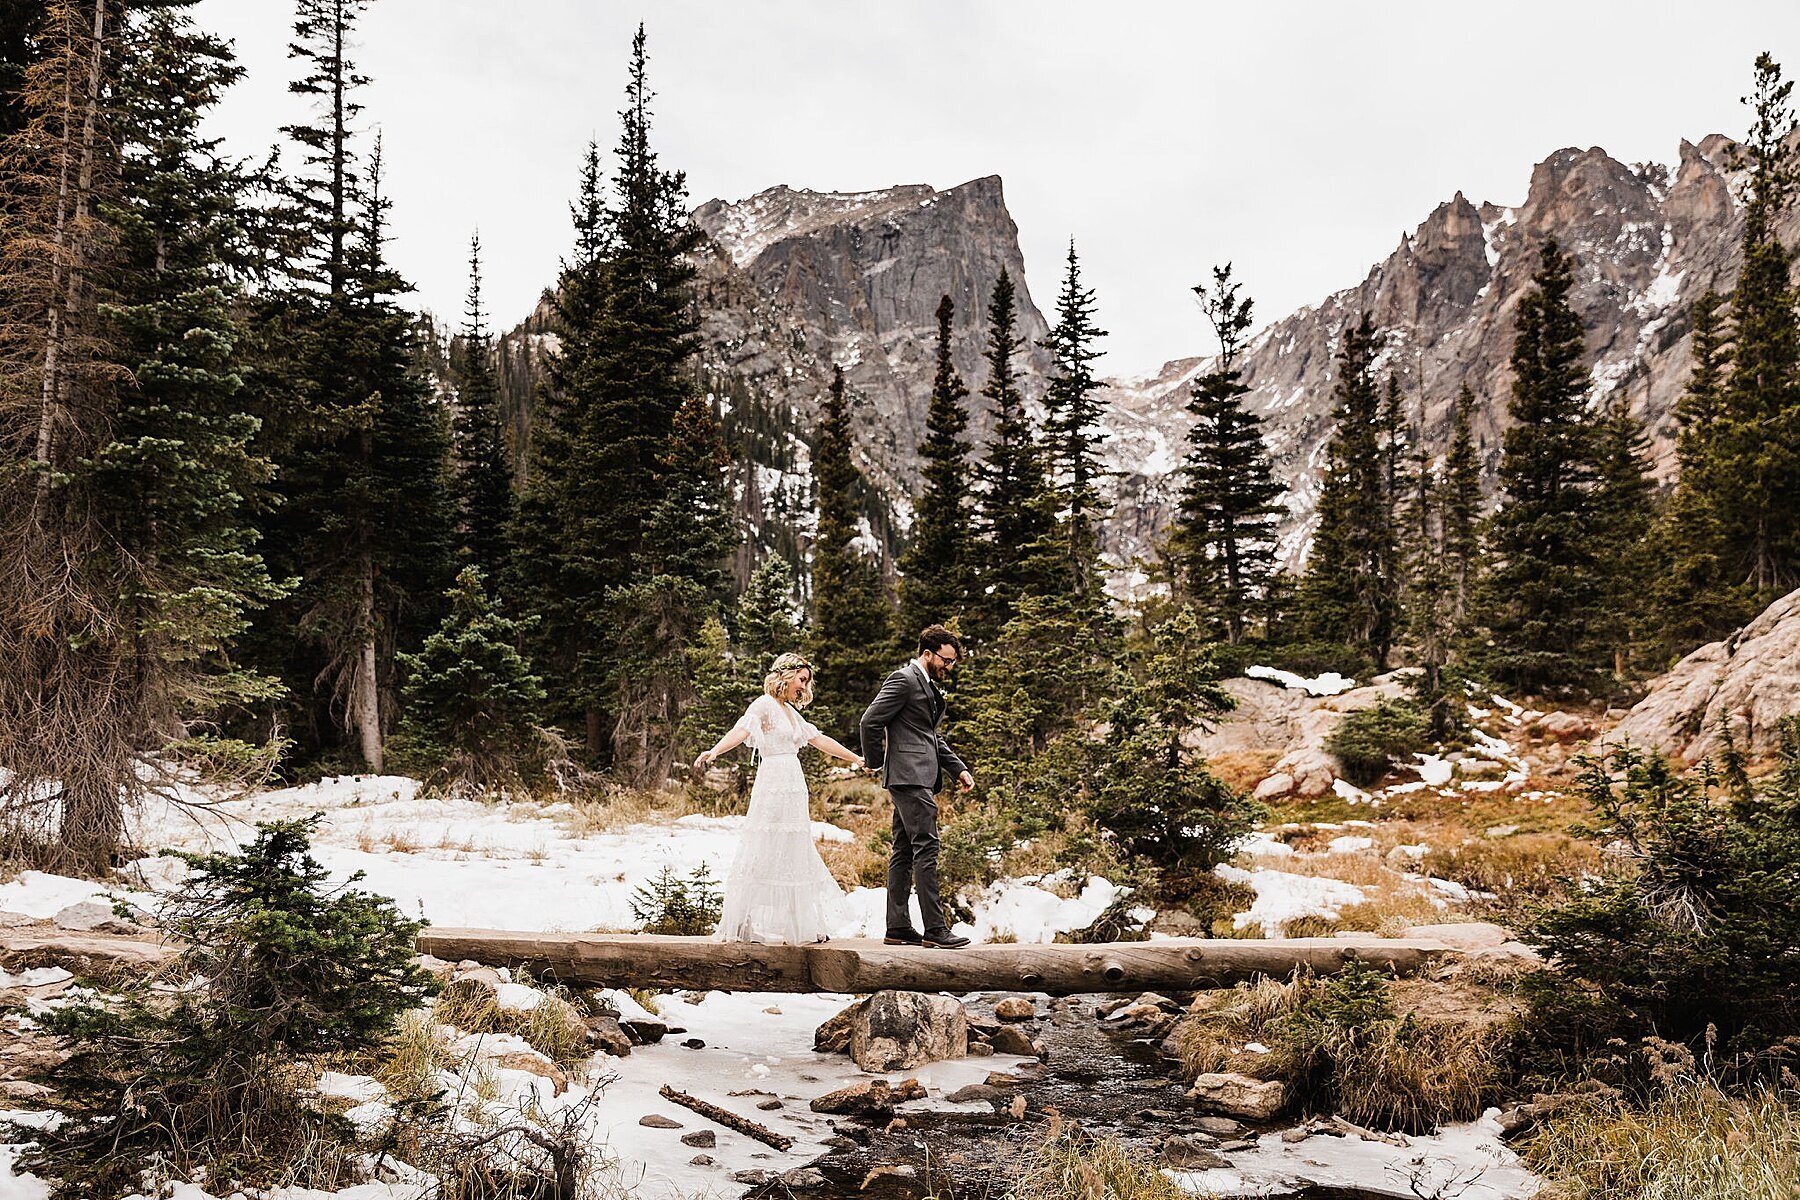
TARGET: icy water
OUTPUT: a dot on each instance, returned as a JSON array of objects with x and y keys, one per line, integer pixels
[{"x": 1104, "y": 1080}]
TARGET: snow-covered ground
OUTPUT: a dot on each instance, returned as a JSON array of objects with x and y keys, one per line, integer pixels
[{"x": 545, "y": 867}]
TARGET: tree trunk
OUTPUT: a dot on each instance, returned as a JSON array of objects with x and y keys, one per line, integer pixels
[
  {"x": 364, "y": 709},
  {"x": 643, "y": 960}
]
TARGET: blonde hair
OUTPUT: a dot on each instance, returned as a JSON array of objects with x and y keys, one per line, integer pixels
[{"x": 786, "y": 669}]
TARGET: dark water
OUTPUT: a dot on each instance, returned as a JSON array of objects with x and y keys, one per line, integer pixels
[{"x": 1099, "y": 1078}]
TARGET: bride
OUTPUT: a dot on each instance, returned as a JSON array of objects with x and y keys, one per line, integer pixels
[{"x": 778, "y": 889}]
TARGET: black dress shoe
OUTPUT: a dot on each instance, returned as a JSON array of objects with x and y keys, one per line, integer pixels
[
  {"x": 943, "y": 939},
  {"x": 902, "y": 937}
]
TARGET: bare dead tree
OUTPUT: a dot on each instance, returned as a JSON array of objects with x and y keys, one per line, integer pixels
[{"x": 68, "y": 663}]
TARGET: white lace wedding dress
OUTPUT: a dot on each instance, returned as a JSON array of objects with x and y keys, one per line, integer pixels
[{"x": 778, "y": 889}]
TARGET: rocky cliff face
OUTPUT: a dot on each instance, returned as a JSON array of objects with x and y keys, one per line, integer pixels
[
  {"x": 795, "y": 281},
  {"x": 1647, "y": 242},
  {"x": 854, "y": 279}
]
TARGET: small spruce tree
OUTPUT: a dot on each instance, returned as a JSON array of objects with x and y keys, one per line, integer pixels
[{"x": 471, "y": 694}]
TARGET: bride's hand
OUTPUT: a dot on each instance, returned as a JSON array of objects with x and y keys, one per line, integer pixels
[{"x": 701, "y": 763}]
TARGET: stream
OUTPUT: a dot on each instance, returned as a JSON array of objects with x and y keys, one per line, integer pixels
[{"x": 1101, "y": 1078}]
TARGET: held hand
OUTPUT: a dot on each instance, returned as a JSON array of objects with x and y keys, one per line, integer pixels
[
  {"x": 857, "y": 764},
  {"x": 965, "y": 781},
  {"x": 704, "y": 761}
]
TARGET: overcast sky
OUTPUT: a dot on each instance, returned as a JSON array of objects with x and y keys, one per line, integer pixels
[{"x": 1298, "y": 140}]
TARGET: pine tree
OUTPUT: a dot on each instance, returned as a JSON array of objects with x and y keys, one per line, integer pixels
[
  {"x": 1348, "y": 595},
  {"x": 179, "y": 464},
  {"x": 1621, "y": 512},
  {"x": 1540, "y": 598},
  {"x": 568, "y": 551},
  {"x": 1224, "y": 538},
  {"x": 470, "y": 693},
  {"x": 1073, "y": 432},
  {"x": 766, "y": 623},
  {"x": 483, "y": 471},
  {"x": 360, "y": 444},
  {"x": 1429, "y": 597},
  {"x": 1695, "y": 591},
  {"x": 602, "y": 554},
  {"x": 1154, "y": 797},
  {"x": 1761, "y": 427},
  {"x": 682, "y": 584},
  {"x": 850, "y": 614},
  {"x": 1015, "y": 510},
  {"x": 1460, "y": 514},
  {"x": 935, "y": 582}
]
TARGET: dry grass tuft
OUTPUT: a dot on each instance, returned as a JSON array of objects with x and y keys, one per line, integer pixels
[
  {"x": 1072, "y": 1165},
  {"x": 1242, "y": 770},
  {"x": 554, "y": 1028},
  {"x": 854, "y": 864},
  {"x": 1535, "y": 864},
  {"x": 1693, "y": 1142},
  {"x": 1388, "y": 1069}
]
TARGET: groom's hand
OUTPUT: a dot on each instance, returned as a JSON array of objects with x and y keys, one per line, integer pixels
[{"x": 966, "y": 782}]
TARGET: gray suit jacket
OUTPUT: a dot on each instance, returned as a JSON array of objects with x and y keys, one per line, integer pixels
[{"x": 900, "y": 733}]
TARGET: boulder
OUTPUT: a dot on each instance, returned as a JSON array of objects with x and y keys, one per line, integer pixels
[
  {"x": 1274, "y": 787},
  {"x": 803, "y": 1178},
  {"x": 1184, "y": 1154},
  {"x": 833, "y": 1037},
  {"x": 1565, "y": 726},
  {"x": 895, "y": 1031},
  {"x": 1012, "y": 1040},
  {"x": 1749, "y": 681},
  {"x": 873, "y": 1100},
  {"x": 1312, "y": 770},
  {"x": 91, "y": 916},
  {"x": 700, "y": 1139},
  {"x": 603, "y": 1032},
  {"x": 1238, "y": 1095},
  {"x": 658, "y": 1121},
  {"x": 1015, "y": 1008}
]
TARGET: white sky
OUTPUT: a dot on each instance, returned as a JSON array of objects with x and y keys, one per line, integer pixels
[{"x": 1298, "y": 140}]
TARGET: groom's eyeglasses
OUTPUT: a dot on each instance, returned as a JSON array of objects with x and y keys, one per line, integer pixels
[{"x": 948, "y": 662}]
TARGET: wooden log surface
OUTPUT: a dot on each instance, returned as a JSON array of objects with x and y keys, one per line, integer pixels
[{"x": 866, "y": 965}]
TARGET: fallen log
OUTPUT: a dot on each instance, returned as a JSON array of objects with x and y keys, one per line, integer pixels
[
  {"x": 728, "y": 1119},
  {"x": 866, "y": 965},
  {"x": 90, "y": 955}
]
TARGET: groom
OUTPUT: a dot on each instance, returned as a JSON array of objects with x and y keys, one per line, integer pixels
[{"x": 900, "y": 738}]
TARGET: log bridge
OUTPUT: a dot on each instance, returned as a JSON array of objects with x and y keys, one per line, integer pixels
[{"x": 859, "y": 965}]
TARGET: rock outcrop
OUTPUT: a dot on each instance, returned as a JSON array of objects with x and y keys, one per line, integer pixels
[
  {"x": 1747, "y": 682},
  {"x": 794, "y": 281}
]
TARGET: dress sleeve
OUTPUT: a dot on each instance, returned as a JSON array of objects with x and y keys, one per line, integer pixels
[
  {"x": 808, "y": 731},
  {"x": 756, "y": 725}
]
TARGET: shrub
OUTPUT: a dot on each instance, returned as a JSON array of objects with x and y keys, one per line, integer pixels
[
  {"x": 1695, "y": 927},
  {"x": 1153, "y": 796},
  {"x": 670, "y": 904},
  {"x": 1369, "y": 740},
  {"x": 206, "y": 1078}
]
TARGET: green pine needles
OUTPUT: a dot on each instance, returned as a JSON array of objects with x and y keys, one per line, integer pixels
[{"x": 208, "y": 1077}]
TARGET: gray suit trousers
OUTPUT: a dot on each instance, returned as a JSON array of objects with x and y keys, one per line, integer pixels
[{"x": 912, "y": 863}]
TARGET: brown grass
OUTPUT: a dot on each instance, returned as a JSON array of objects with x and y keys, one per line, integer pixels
[
  {"x": 1410, "y": 1071},
  {"x": 1071, "y": 1165},
  {"x": 853, "y": 864},
  {"x": 1243, "y": 769},
  {"x": 554, "y": 1028},
  {"x": 1693, "y": 1142},
  {"x": 1532, "y": 863}
]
